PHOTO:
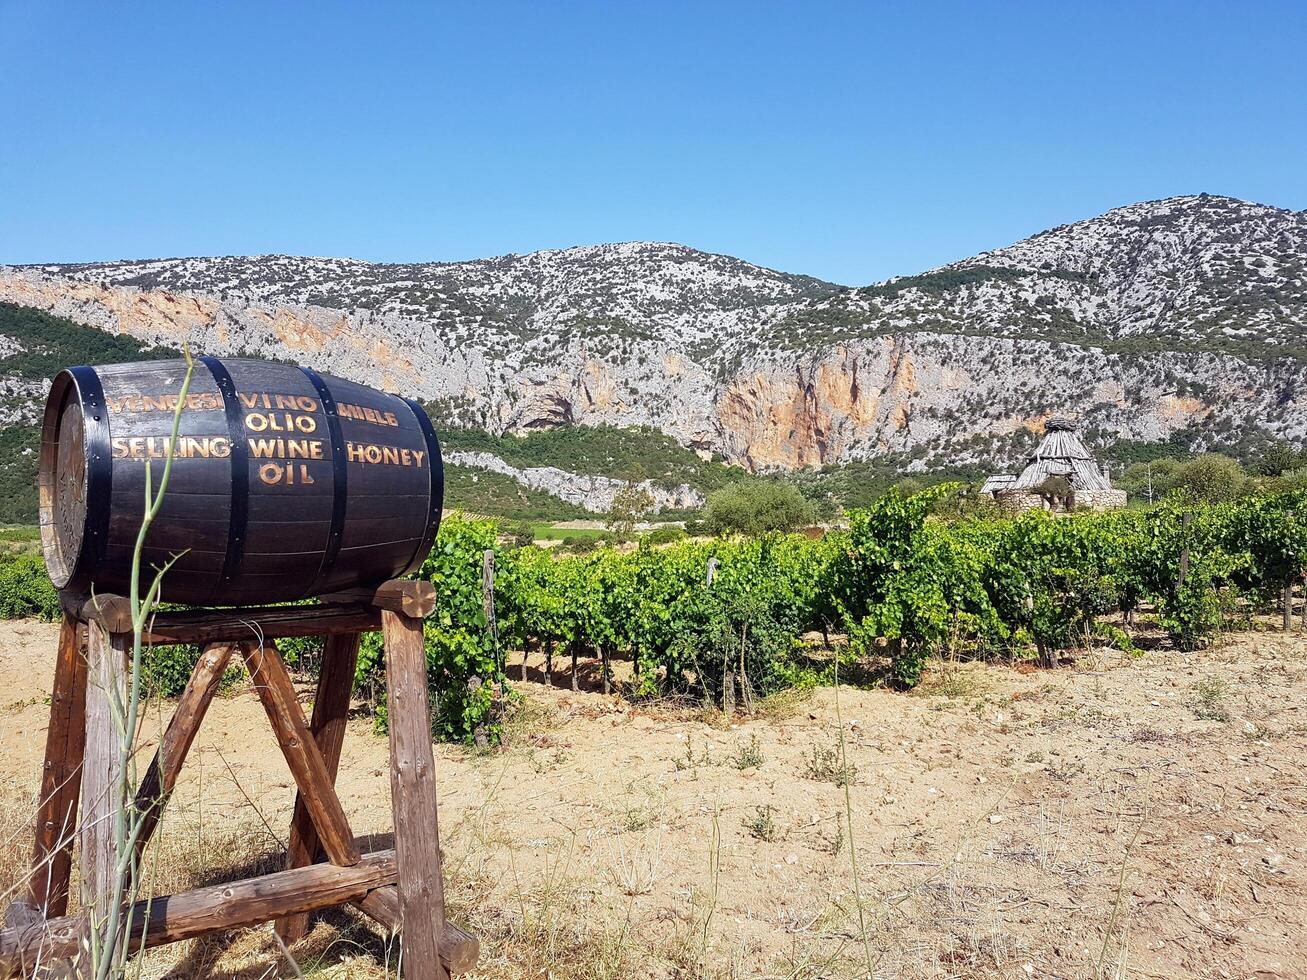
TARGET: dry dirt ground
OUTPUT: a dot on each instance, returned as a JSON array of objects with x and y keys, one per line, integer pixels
[{"x": 1128, "y": 817}]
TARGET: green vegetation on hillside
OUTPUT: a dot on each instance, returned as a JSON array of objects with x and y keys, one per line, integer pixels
[
  {"x": 624, "y": 454},
  {"x": 20, "y": 448},
  {"x": 860, "y": 484},
  {"x": 947, "y": 280},
  {"x": 496, "y": 495},
  {"x": 51, "y": 343}
]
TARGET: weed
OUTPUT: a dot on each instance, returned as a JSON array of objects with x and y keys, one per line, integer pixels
[
  {"x": 832, "y": 843},
  {"x": 950, "y": 679},
  {"x": 528, "y": 722},
  {"x": 689, "y": 762},
  {"x": 644, "y": 812},
  {"x": 1209, "y": 696},
  {"x": 748, "y": 755},
  {"x": 826, "y": 764},
  {"x": 761, "y": 825},
  {"x": 636, "y": 873}
]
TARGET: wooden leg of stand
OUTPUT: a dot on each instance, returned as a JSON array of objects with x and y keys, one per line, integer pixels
[
  {"x": 459, "y": 949},
  {"x": 61, "y": 780},
  {"x": 330, "y": 712},
  {"x": 413, "y": 799},
  {"x": 160, "y": 778},
  {"x": 106, "y": 694},
  {"x": 306, "y": 763}
]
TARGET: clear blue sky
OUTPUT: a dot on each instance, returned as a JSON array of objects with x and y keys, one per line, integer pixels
[{"x": 851, "y": 141}]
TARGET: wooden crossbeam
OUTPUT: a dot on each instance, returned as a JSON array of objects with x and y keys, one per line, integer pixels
[
  {"x": 417, "y": 599},
  {"x": 171, "y": 918},
  {"x": 330, "y": 712},
  {"x": 306, "y": 763},
  {"x": 157, "y": 784},
  {"x": 247, "y": 625}
]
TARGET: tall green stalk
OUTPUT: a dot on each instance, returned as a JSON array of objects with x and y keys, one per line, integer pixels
[{"x": 110, "y": 942}]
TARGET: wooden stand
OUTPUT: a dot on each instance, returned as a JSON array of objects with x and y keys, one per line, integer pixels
[{"x": 401, "y": 888}]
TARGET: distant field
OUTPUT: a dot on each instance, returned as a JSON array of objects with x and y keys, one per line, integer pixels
[
  {"x": 20, "y": 539},
  {"x": 550, "y": 532}
]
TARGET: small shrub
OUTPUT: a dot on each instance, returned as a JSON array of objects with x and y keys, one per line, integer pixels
[
  {"x": 825, "y": 765},
  {"x": 748, "y": 755},
  {"x": 517, "y": 534},
  {"x": 25, "y": 589},
  {"x": 583, "y": 546},
  {"x": 833, "y": 843},
  {"x": 690, "y": 761},
  {"x": 1209, "y": 696},
  {"x": 761, "y": 825},
  {"x": 756, "y": 508},
  {"x": 664, "y": 535}
]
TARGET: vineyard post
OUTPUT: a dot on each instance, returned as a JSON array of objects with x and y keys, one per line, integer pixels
[
  {"x": 488, "y": 597},
  {"x": 728, "y": 676},
  {"x": 474, "y": 683},
  {"x": 746, "y": 686},
  {"x": 1183, "y": 571},
  {"x": 1304, "y": 602},
  {"x": 1286, "y": 603}
]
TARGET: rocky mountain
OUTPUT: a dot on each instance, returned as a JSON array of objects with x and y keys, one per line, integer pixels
[{"x": 1181, "y": 315}]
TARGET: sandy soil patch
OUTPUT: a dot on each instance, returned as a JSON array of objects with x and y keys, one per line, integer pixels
[{"x": 1130, "y": 817}]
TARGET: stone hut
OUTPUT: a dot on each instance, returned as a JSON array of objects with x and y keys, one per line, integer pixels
[{"x": 1062, "y": 475}]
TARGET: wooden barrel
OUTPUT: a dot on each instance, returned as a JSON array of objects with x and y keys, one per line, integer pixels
[{"x": 285, "y": 483}]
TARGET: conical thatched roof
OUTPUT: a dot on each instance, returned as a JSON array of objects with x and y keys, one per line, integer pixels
[{"x": 1062, "y": 454}]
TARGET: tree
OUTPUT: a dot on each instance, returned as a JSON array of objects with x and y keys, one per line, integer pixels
[
  {"x": 1056, "y": 491},
  {"x": 1279, "y": 458},
  {"x": 757, "y": 507},
  {"x": 1151, "y": 480},
  {"x": 1212, "y": 478},
  {"x": 629, "y": 505}
]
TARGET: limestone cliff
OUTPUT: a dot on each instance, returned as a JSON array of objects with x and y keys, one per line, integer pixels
[{"x": 1182, "y": 314}]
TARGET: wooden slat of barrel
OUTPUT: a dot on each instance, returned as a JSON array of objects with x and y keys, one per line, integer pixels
[
  {"x": 285, "y": 484},
  {"x": 70, "y": 491},
  {"x": 196, "y": 512}
]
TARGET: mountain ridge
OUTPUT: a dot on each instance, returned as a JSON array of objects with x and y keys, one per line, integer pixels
[{"x": 1181, "y": 314}]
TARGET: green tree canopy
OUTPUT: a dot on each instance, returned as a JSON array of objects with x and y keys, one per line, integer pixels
[{"x": 755, "y": 508}]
